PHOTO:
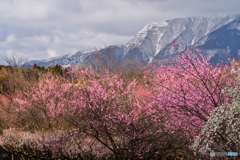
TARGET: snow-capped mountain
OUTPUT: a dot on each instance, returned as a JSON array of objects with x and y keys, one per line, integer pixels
[{"x": 217, "y": 37}]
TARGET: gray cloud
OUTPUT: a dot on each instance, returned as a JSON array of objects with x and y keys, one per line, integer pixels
[{"x": 41, "y": 29}]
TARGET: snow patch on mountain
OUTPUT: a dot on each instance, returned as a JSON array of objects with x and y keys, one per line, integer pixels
[{"x": 158, "y": 41}]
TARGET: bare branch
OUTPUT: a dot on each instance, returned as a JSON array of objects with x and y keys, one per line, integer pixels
[{"x": 14, "y": 61}]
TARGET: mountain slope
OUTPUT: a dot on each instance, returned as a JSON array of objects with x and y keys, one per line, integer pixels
[{"x": 218, "y": 39}]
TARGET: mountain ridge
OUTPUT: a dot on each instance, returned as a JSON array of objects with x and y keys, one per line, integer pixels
[{"x": 214, "y": 36}]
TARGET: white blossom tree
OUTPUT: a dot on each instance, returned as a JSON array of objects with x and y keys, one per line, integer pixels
[{"x": 222, "y": 131}]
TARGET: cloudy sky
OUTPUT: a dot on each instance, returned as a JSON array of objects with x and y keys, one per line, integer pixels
[{"x": 35, "y": 29}]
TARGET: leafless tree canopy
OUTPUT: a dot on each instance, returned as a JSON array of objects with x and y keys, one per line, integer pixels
[{"x": 14, "y": 61}]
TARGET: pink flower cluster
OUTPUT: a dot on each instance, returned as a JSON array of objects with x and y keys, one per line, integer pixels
[
  {"x": 189, "y": 90},
  {"x": 118, "y": 112}
]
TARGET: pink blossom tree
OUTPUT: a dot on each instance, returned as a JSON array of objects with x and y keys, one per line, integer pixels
[
  {"x": 40, "y": 104},
  {"x": 120, "y": 115},
  {"x": 129, "y": 118},
  {"x": 189, "y": 90}
]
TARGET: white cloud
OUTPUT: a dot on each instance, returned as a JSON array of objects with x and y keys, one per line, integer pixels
[
  {"x": 24, "y": 9},
  {"x": 11, "y": 38},
  {"x": 51, "y": 53},
  {"x": 46, "y": 28}
]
